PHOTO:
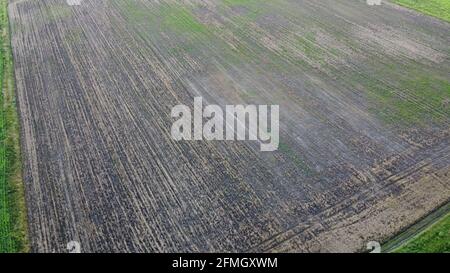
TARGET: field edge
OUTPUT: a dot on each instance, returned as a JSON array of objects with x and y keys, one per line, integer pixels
[
  {"x": 15, "y": 229},
  {"x": 444, "y": 16},
  {"x": 412, "y": 234}
]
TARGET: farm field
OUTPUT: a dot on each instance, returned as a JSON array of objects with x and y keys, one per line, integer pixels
[
  {"x": 435, "y": 238},
  {"x": 364, "y": 98}
]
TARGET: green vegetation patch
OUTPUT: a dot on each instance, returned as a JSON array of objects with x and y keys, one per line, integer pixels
[
  {"x": 309, "y": 47},
  {"x": 423, "y": 100},
  {"x": 436, "y": 8},
  {"x": 13, "y": 225},
  {"x": 163, "y": 16},
  {"x": 243, "y": 3},
  {"x": 58, "y": 12},
  {"x": 405, "y": 96},
  {"x": 134, "y": 11},
  {"x": 181, "y": 20},
  {"x": 253, "y": 9},
  {"x": 299, "y": 162},
  {"x": 436, "y": 239}
]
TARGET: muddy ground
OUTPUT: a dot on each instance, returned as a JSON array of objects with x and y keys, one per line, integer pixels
[{"x": 364, "y": 118}]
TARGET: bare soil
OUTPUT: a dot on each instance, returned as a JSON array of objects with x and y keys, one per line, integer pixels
[{"x": 364, "y": 126}]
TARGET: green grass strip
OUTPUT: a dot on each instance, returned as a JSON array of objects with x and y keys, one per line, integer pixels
[
  {"x": 436, "y": 239},
  {"x": 13, "y": 223},
  {"x": 436, "y": 8}
]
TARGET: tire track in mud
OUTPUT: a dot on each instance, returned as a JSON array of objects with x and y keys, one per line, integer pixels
[{"x": 382, "y": 186}]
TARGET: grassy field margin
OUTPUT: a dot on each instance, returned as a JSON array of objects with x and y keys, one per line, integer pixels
[
  {"x": 429, "y": 235},
  {"x": 436, "y": 239},
  {"x": 13, "y": 220},
  {"x": 436, "y": 8}
]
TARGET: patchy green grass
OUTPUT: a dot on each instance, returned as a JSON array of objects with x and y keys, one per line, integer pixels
[
  {"x": 13, "y": 225},
  {"x": 58, "y": 12},
  {"x": 287, "y": 150},
  {"x": 410, "y": 109},
  {"x": 133, "y": 11},
  {"x": 416, "y": 98},
  {"x": 434, "y": 240},
  {"x": 253, "y": 9},
  {"x": 436, "y": 8},
  {"x": 181, "y": 20},
  {"x": 309, "y": 47},
  {"x": 242, "y": 3},
  {"x": 168, "y": 17}
]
